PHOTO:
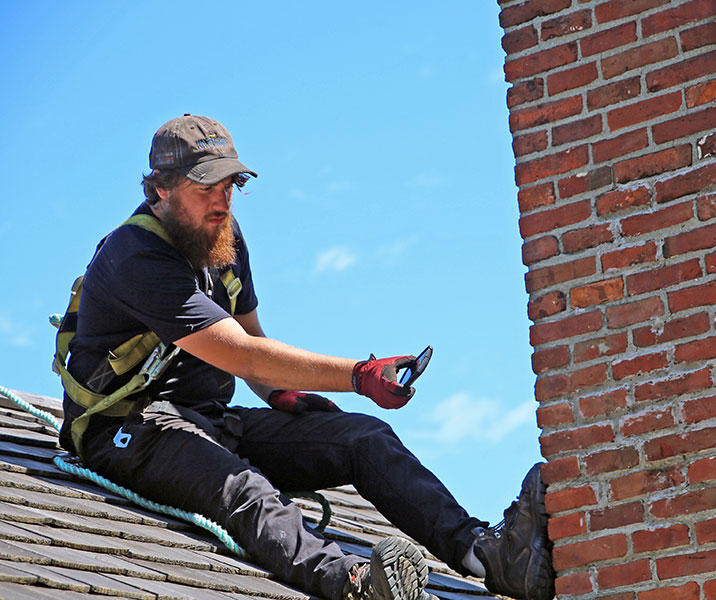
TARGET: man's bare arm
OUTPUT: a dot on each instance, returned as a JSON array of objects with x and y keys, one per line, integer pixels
[{"x": 228, "y": 346}]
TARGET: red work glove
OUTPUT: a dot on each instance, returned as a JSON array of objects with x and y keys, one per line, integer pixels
[
  {"x": 300, "y": 402},
  {"x": 377, "y": 379}
]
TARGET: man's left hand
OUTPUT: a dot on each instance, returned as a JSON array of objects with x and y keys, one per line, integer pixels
[{"x": 300, "y": 402}]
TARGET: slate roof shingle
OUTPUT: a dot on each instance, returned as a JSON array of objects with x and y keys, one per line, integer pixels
[{"x": 64, "y": 538}]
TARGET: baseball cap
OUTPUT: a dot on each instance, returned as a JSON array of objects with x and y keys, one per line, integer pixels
[{"x": 199, "y": 148}]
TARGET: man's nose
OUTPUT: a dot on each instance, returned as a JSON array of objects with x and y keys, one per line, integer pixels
[{"x": 222, "y": 198}]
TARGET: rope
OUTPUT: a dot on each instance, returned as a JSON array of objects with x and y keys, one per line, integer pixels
[{"x": 72, "y": 469}]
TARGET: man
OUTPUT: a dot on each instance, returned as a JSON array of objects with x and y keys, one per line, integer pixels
[{"x": 180, "y": 268}]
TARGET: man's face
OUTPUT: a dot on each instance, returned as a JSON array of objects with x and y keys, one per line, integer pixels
[{"x": 198, "y": 219}]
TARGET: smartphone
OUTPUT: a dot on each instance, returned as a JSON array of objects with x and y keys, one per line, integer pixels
[{"x": 408, "y": 376}]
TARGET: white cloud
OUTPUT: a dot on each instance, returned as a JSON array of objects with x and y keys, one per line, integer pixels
[
  {"x": 462, "y": 418},
  {"x": 337, "y": 258},
  {"x": 13, "y": 335},
  {"x": 431, "y": 180}
]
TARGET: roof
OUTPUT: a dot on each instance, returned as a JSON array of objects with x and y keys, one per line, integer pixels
[{"x": 64, "y": 538}]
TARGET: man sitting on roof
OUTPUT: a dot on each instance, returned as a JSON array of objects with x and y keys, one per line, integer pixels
[{"x": 180, "y": 268}]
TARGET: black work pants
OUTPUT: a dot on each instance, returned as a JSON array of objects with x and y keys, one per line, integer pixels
[{"x": 233, "y": 473}]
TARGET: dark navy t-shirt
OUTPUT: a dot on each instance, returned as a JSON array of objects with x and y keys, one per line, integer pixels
[{"x": 138, "y": 282}]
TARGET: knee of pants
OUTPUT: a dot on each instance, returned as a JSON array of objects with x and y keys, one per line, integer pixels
[{"x": 370, "y": 437}]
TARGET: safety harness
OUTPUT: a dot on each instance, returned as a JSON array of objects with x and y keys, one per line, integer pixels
[{"x": 144, "y": 348}]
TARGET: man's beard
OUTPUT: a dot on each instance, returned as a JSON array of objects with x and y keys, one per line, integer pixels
[{"x": 201, "y": 247}]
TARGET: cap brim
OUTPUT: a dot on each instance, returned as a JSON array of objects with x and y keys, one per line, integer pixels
[{"x": 213, "y": 171}]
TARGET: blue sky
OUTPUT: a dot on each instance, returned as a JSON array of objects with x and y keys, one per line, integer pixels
[{"x": 384, "y": 217}]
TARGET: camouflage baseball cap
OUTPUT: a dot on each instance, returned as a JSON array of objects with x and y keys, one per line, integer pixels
[{"x": 199, "y": 148}]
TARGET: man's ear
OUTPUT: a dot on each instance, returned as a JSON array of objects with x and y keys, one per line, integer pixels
[{"x": 163, "y": 193}]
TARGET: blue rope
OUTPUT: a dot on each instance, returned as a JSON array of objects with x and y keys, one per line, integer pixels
[{"x": 72, "y": 469}]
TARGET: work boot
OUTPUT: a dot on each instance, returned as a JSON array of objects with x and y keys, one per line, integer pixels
[
  {"x": 516, "y": 553},
  {"x": 397, "y": 571}
]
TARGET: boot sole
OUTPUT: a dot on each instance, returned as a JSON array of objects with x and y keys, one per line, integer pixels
[
  {"x": 398, "y": 570},
  {"x": 540, "y": 569}
]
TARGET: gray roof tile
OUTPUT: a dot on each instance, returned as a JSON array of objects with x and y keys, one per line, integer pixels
[{"x": 64, "y": 538}]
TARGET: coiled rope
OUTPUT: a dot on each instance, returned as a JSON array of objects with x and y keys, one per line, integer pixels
[{"x": 217, "y": 530}]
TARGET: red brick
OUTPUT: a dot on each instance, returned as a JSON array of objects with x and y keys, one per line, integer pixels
[
  {"x": 696, "y": 239},
  {"x": 688, "y": 591},
  {"x": 567, "y": 526},
  {"x": 525, "y": 91},
  {"x": 657, "y": 219},
  {"x": 597, "y": 293},
  {"x": 701, "y": 93},
  {"x": 619, "y": 200},
  {"x": 569, "y": 499},
  {"x": 706, "y": 207},
  {"x": 585, "y": 181},
  {"x": 547, "y": 388},
  {"x": 699, "y": 410},
  {"x": 705, "y": 532},
  {"x": 529, "y": 143},
  {"x": 698, "y": 295},
  {"x": 608, "y": 39},
  {"x": 652, "y": 164},
  {"x": 589, "y": 552},
  {"x": 540, "y": 62},
  {"x": 621, "y": 145},
  {"x": 537, "y": 279},
  {"x": 634, "y": 312},
  {"x": 578, "y": 324},
  {"x": 615, "y": 517},
  {"x": 703, "y": 349},
  {"x": 621, "y": 596},
  {"x": 614, "y": 92},
  {"x": 681, "y": 72},
  {"x": 627, "y": 257},
  {"x": 560, "y": 469},
  {"x": 673, "y": 445},
  {"x": 706, "y": 146},
  {"x": 549, "y": 358},
  {"x": 686, "y": 183},
  {"x": 660, "y": 390},
  {"x": 639, "y": 365},
  {"x": 554, "y": 218},
  {"x": 644, "y": 482},
  {"x": 622, "y": 574},
  {"x": 587, "y": 237},
  {"x": 634, "y": 58},
  {"x": 572, "y": 78},
  {"x": 684, "y": 504},
  {"x": 672, "y": 330},
  {"x": 648, "y": 281},
  {"x": 551, "y": 415},
  {"x": 573, "y": 439},
  {"x": 648, "y": 540},
  {"x": 644, "y": 110},
  {"x": 710, "y": 590},
  {"x": 560, "y": 162},
  {"x": 536, "y": 196},
  {"x": 693, "y": 122},
  {"x": 519, "y": 39},
  {"x": 696, "y": 37},
  {"x": 527, "y": 11},
  {"x": 539, "y": 249},
  {"x": 576, "y": 130},
  {"x": 686, "y": 564},
  {"x": 602, "y": 404},
  {"x": 566, "y": 24},
  {"x": 607, "y": 461},
  {"x": 547, "y": 112},
  {"x": 652, "y": 420},
  {"x": 575, "y": 584},
  {"x": 687, "y": 12},
  {"x": 616, "y": 9},
  {"x": 546, "y": 306},
  {"x": 703, "y": 470},
  {"x": 599, "y": 347}
]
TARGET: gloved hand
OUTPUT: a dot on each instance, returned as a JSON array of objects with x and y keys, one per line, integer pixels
[
  {"x": 377, "y": 379},
  {"x": 300, "y": 402}
]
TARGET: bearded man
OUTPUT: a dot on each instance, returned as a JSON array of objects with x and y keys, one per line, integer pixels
[{"x": 179, "y": 267}]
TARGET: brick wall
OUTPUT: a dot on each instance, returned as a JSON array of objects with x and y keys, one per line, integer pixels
[{"x": 612, "y": 111}]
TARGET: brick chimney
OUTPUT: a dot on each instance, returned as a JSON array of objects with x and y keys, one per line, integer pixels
[{"x": 612, "y": 111}]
